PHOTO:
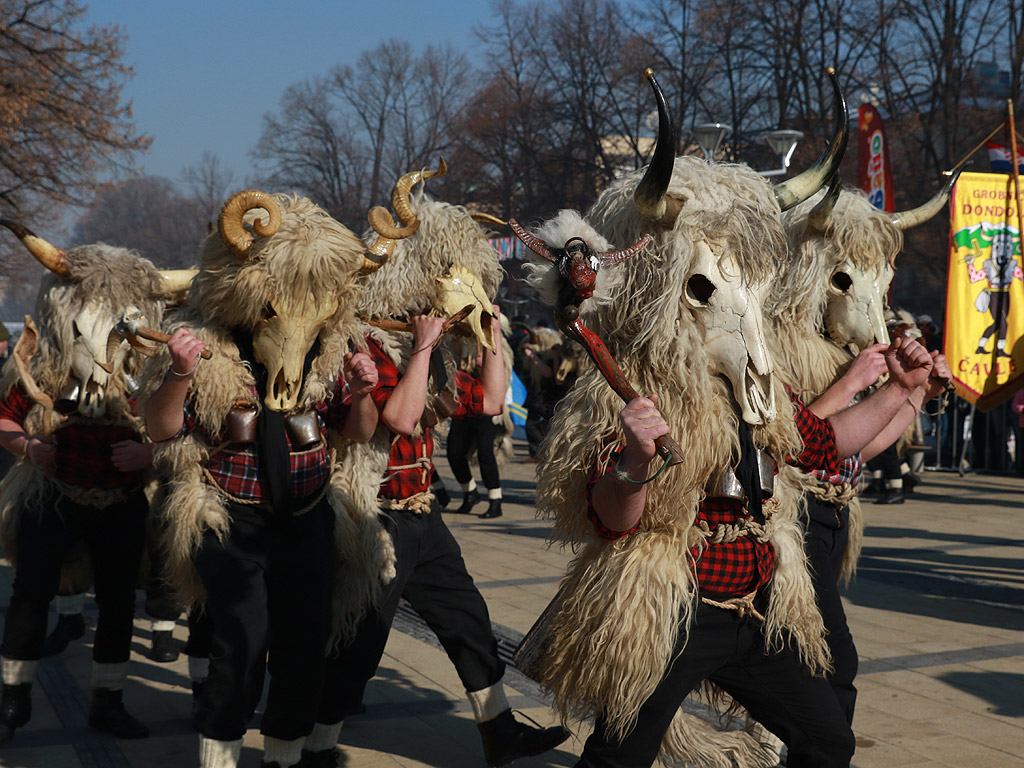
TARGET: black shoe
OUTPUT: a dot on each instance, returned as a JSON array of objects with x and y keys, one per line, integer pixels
[
  {"x": 70, "y": 626},
  {"x": 471, "y": 499},
  {"x": 164, "y": 649},
  {"x": 15, "y": 709},
  {"x": 493, "y": 509},
  {"x": 874, "y": 488},
  {"x": 891, "y": 496},
  {"x": 443, "y": 499},
  {"x": 506, "y": 739},
  {"x": 910, "y": 481},
  {"x": 108, "y": 714},
  {"x": 327, "y": 758}
]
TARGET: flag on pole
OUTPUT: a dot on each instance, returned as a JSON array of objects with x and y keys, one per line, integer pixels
[
  {"x": 515, "y": 397},
  {"x": 999, "y": 157},
  {"x": 874, "y": 171},
  {"x": 984, "y": 338}
]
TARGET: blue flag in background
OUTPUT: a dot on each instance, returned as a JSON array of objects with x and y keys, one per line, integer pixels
[{"x": 514, "y": 399}]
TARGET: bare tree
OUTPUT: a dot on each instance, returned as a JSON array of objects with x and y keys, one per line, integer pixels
[
  {"x": 210, "y": 182},
  {"x": 149, "y": 215}
]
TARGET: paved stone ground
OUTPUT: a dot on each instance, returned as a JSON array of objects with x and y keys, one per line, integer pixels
[{"x": 937, "y": 611}]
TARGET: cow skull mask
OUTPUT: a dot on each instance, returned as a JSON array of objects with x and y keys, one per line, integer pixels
[
  {"x": 727, "y": 311},
  {"x": 855, "y": 313}
]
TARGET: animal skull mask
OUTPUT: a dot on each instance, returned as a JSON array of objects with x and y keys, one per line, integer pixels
[
  {"x": 854, "y": 315},
  {"x": 88, "y": 349},
  {"x": 728, "y": 314},
  {"x": 458, "y": 289}
]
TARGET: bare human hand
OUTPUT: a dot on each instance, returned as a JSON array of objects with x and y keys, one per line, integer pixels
[
  {"x": 38, "y": 452},
  {"x": 909, "y": 363},
  {"x": 425, "y": 331},
  {"x": 131, "y": 455},
  {"x": 941, "y": 373},
  {"x": 642, "y": 424},
  {"x": 867, "y": 367},
  {"x": 360, "y": 373},
  {"x": 185, "y": 350}
]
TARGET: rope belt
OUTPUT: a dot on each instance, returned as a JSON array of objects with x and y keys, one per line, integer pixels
[
  {"x": 745, "y": 527},
  {"x": 837, "y": 495},
  {"x": 744, "y": 606},
  {"x": 418, "y": 503}
]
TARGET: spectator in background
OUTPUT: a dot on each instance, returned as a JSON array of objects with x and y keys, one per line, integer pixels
[
  {"x": 5, "y": 341},
  {"x": 1017, "y": 406}
]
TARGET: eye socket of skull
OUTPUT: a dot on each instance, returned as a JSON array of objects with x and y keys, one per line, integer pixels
[
  {"x": 841, "y": 281},
  {"x": 699, "y": 290}
]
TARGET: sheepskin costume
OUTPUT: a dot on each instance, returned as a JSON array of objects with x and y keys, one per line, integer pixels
[
  {"x": 623, "y": 602},
  {"x": 857, "y": 238},
  {"x": 310, "y": 255},
  {"x": 407, "y": 285},
  {"x": 107, "y": 280}
]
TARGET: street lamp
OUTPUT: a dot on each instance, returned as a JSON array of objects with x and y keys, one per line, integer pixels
[
  {"x": 709, "y": 136},
  {"x": 783, "y": 143}
]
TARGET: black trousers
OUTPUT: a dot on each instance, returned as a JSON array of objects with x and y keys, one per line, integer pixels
[
  {"x": 776, "y": 689},
  {"x": 825, "y": 540},
  {"x": 114, "y": 537},
  {"x": 432, "y": 576},
  {"x": 268, "y": 587},
  {"x": 462, "y": 436}
]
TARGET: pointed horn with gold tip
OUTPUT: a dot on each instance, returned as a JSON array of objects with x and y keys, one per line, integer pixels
[
  {"x": 50, "y": 256},
  {"x": 649, "y": 198},
  {"x": 383, "y": 224},
  {"x": 485, "y": 218},
  {"x": 801, "y": 187},
  {"x": 235, "y": 237},
  {"x": 915, "y": 216}
]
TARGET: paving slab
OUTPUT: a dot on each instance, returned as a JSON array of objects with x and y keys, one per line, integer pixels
[{"x": 936, "y": 610}]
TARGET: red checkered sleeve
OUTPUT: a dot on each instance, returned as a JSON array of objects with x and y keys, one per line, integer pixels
[
  {"x": 16, "y": 405},
  {"x": 470, "y": 394},
  {"x": 819, "y": 451},
  {"x": 387, "y": 374},
  {"x": 336, "y": 410},
  {"x": 725, "y": 570}
]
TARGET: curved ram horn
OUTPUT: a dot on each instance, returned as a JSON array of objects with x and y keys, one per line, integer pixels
[
  {"x": 817, "y": 219},
  {"x": 614, "y": 257},
  {"x": 486, "y": 218},
  {"x": 229, "y": 223},
  {"x": 383, "y": 224},
  {"x": 532, "y": 242},
  {"x": 50, "y": 256},
  {"x": 921, "y": 214},
  {"x": 801, "y": 187},
  {"x": 649, "y": 197},
  {"x": 176, "y": 280}
]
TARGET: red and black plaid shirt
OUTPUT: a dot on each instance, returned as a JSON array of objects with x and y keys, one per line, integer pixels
[
  {"x": 83, "y": 449},
  {"x": 236, "y": 467},
  {"x": 407, "y": 450},
  {"x": 738, "y": 567}
]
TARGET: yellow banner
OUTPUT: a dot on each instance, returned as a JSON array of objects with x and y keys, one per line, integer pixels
[{"x": 985, "y": 290}]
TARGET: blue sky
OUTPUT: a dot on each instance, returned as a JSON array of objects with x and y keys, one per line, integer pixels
[{"x": 207, "y": 72}]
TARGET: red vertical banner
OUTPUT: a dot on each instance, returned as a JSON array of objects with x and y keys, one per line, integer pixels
[{"x": 874, "y": 172}]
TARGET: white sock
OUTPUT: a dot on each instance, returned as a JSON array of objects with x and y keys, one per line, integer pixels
[
  {"x": 219, "y": 754},
  {"x": 1001, "y": 344},
  {"x": 110, "y": 676},
  {"x": 69, "y": 605},
  {"x": 17, "y": 671},
  {"x": 904, "y": 468},
  {"x": 198, "y": 668},
  {"x": 163, "y": 626},
  {"x": 488, "y": 703},
  {"x": 494, "y": 493},
  {"x": 896, "y": 484},
  {"x": 323, "y": 737},
  {"x": 470, "y": 486},
  {"x": 284, "y": 753}
]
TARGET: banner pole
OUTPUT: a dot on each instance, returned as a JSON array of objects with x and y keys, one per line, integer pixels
[
  {"x": 1016, "y": 172},
  {"x": 981, "y": 144}
]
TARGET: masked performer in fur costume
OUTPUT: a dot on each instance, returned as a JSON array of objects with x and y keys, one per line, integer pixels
[
  {"x": 698, "y": 577},
  {"x": 250, "y": 510},
  {"x": 444, "y": 267},
  {"x": 59, "y": 414},
  {"x": 825, "y": 307}
]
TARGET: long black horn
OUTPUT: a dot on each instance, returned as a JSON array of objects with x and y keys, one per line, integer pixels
[
  {"x": 921, "y": 214},
  {"x": 801, "y": 187},
  {"x": 649, "y": 197},
  {"x": 818, "y": 218}
]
